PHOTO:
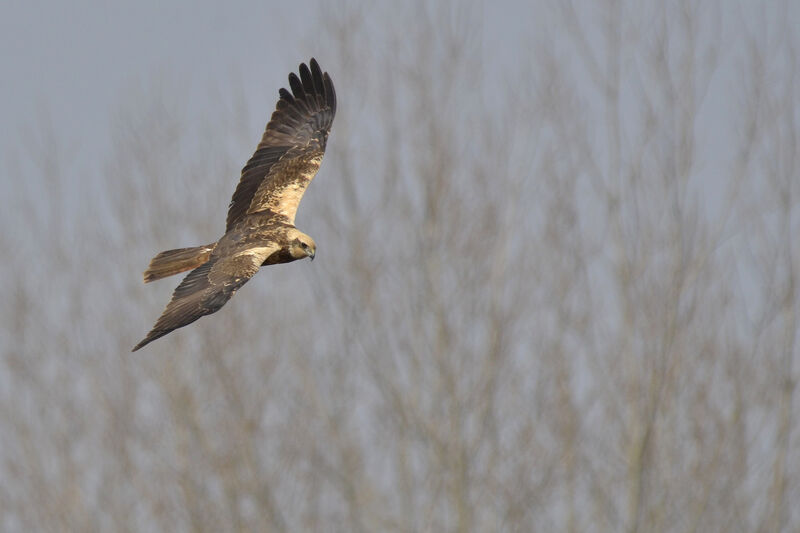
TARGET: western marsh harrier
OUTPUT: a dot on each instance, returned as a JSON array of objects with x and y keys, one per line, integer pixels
[{"x": 260, "y": 226}]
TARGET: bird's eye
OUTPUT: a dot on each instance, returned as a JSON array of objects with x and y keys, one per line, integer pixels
[{"x": 304, "y": 245}]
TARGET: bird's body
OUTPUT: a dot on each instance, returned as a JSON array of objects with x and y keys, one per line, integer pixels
[{"x": 260, "y": 227}]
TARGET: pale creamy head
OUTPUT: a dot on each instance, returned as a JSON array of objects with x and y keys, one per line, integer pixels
[{"x": 300, "y": 244}]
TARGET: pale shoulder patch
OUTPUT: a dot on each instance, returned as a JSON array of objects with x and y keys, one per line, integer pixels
[
  {"x": 242, "y": 264},
  {"x": 285, "y": 185}
]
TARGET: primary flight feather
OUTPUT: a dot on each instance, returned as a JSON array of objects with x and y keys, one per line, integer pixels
[{"x": 260, "y": 224}]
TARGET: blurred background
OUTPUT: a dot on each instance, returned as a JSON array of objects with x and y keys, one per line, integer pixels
[{"x": 557, "y": 285}]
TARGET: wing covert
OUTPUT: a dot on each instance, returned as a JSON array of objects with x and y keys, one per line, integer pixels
[
  {"x": 207, "y": 288},
  {"x": 298, "y": 130}
]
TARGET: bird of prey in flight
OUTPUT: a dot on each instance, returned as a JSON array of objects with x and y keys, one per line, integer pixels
[{"x": 260, "y": 225}]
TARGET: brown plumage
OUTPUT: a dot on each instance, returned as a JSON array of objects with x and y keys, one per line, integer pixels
[{"x": 260, "y": 225}]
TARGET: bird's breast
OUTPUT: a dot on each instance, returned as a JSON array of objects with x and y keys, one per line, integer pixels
[{"x": 280, "y": 256}]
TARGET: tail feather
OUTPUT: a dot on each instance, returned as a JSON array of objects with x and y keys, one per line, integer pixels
[{"x": 175, "y": 261}]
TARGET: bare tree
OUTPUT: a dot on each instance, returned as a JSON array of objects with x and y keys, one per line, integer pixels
[{"x": 550, "y": 303}]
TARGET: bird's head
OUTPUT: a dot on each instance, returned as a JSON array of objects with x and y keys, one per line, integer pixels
[{"x": 303, "y": 246}]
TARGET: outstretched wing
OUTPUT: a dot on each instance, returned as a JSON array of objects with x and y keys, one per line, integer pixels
[
  {"x": 207, "y": 288},
  {"x": 291, "y": 149}
]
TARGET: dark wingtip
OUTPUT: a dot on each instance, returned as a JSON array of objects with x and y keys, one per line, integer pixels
[
  {"x": 286, "y": 95},
  {"x": 140, "y": 345},
  {"x": 316, "y": 72},
  {"x": 305, "y": 79},
  {"x": 330, "y": 92},
  {"x": 312, "y": 82},
  {"x": 297, "y": 86},
  {"x": 153, "y": 335}
]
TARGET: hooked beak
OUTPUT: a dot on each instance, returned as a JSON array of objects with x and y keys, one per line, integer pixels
[{"x": 312, "y": 253}]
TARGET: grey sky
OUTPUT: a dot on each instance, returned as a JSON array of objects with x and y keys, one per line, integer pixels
[
  {"x": 486, "y": 273},
  {"x": 73, "y": 65},
  {"x": 76, "y": 59},
  {"x": 71, "y": 70}
]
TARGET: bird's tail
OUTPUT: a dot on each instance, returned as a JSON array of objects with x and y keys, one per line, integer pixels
[{"x": 176, "y": 261}]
